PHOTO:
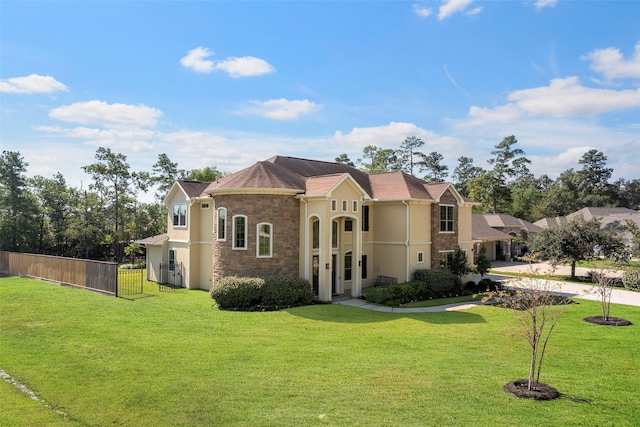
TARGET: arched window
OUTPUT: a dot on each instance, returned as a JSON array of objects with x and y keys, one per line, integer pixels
[
  {"x": 315, "y": 234},
  {"x": 239, "y": 232}
]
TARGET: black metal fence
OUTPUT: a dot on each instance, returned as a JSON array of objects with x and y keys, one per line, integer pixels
[
  {"x": 170, "y": 276},
  {"x": 130, "y": 282}
]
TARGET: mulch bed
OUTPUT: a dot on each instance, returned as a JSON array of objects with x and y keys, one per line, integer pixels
[
  {"x": 542, "y": 391},
  {"x": 611, "y": 321}
]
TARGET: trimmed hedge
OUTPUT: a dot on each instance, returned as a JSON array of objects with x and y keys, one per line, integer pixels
[
  {"x": 261, "y": 294},
  {"x": 631, "y": 280},
  {"x": 426, "y": 284}
]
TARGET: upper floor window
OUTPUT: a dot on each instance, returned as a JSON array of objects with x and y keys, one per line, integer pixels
[
  {"x": 354, "y": 205},
  {"x": 345, "y": 206},
  {"x": 265, "y": 240},
  {"x": 334, "y": 234},
  {"x": 222, "y": 224},
  {"x": 239, "y": 232},
  {"x": 348, "y": 225},
  {"x": 204, "y": 206},
  {"x": 315, "y": 234},
  {"x": 365, "y": 218},
  {"x": 334, "y": 205},
  {"x": 180, "y": 215},
  {"x": 446, "y": 219}
]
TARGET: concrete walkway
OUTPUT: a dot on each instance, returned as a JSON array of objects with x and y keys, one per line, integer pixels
[{"x": 618, "y": 296}]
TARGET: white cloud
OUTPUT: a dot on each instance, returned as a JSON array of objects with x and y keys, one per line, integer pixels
[
  {"x": 611, "y": 64},
  {"x": 107, "y": 115},
  {"x": 281, "y": 109},
  {"x": 421, "y": 11},
  {"x": 246, "y": 66},
  {"x": 130, "y": 140},
  {"x": 449, "y": 7},
  {"x": 562, "y": 98},
  {"x": 196, "y": 60},
  {"x": 474, "y": 11},
  {"x": 541, "y": 4},
  {"x": 33, "y": 83}
]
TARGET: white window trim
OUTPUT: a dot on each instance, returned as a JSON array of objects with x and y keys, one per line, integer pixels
[
  {"x": 449, "y": 251},
  {"x": 334, "y": 205},
  {"x": 420, "y": 257},
  {"x": 224, "y": 228},
  {"x": 246, "y": 235},
  {"x": 186, "y": 213},
  {"x": 354, "y": 205},
  {"x": 345, "y": 206},
  {"x": 335, "y": 224},
  {"x": 345, "y": 226},
  {"x": 205, "y": 206},
  {"x": 351, "y": 269},
  {"x": 452, "y": 219},
  {"x": 170, "y": 267},
  {"x": 270, "y": 255}
]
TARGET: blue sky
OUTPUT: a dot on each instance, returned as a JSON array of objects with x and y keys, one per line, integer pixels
[{"x": 226, "y": 84}]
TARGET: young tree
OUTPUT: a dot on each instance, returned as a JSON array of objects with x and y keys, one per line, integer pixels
[
  {"x": 459, "y": 265},
  {"x": 132, "y": 250},
  {"x": 537, "y": 309},
  {"x": 604, "y": 281},
  {"x": 483, "y": 263}
]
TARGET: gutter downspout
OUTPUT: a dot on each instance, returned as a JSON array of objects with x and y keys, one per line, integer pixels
[{"x": 406, "y": 242}]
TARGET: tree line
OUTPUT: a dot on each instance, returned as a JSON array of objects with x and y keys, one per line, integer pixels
[
  {"x": 506, "y": 184},
  {"x": 98, "y": 220}
]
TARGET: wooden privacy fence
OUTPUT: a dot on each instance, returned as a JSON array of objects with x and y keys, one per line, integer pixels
[{"x": 95, "y": 275}]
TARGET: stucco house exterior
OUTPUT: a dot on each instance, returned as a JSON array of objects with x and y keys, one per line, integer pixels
[{"x": 336, "y": 226}]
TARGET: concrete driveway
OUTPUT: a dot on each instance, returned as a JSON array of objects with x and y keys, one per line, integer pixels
[{"x": 618, "y": 295}]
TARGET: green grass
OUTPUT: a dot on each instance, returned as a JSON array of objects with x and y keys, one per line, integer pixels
[
  {"x": 440, "y": 301},
  {"x": 171, "y": 359},
  {"x": 608, "y": 264}
]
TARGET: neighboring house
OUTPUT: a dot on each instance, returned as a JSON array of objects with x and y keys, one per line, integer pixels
[
  {"x": 608, "y": 217},
  {"x": 504, "y": 236},
  {"x": 334, "y": 225}
]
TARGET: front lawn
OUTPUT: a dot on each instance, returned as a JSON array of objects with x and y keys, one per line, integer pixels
[{"x": 170, "y": 359}]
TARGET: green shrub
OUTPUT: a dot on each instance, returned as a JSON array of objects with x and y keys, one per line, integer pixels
[
  {"x": 392, "y": 295},
  {"x": 257, "y": 294},
  {"x": 439, "y": 283},
  {"x": 631, "y": 280},
  {"x": 280, "y": 292},
  {"x": 138, "y": 265}
]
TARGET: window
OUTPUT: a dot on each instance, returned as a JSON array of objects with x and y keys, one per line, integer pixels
[
  {"x": 348, "y": 225},
  {"x": 365, "y": 218},
  {"x": 204, "y": 206},
  {"x": 180, "y": 215},
  {"x": 446, "y": 219},
  {"x": 345, "y": 206},
  {"x": 347, "y": 266},
  {"x": 334, "y": 234},
  {"x": 354, "y": 206},
  {"x": 172, "y": 260},
  {"x": 446, "y": 257},
  {"x": 334, "y": 205},
  {"x": 420, "y": 257},
  {"x": 364, "y": 266},
  {"x": 264, "y": 246},
  {"x": 315, "y": 234},
  {"x": 239, "y": 232},
  {"x": 222, "y": 224}
]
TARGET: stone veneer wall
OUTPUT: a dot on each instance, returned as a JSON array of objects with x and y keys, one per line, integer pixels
[
  {"x": 282, "y": 211},
  {"x": 443, "y": 241}
]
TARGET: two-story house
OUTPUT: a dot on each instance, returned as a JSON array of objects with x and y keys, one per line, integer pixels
[{"x": 336, "y": 226}]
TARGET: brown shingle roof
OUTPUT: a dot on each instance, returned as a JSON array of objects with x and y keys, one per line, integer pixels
[
  {"x": 397, "y": 186},
  {"x": 193, "y": 188},
  {"x": 262, "y": 175},
  {"x": 321, "y": 185},
  {"x": 481, "y": 230},
  {"x": 504, "y": 220}
]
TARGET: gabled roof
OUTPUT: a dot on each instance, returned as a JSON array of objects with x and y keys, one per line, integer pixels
[
  {"x": 398, "y": 186},
  {"x": 481, "y": 230},
  {"x": 508, "y": 221},
  {"x": 193, "y": 188},
  {"x": 605, "y": 215},
  {"x": 153, "y": 240},
  {"x": 314, "y": 168},
  {"x": 588, "y": 213},
  {"x": 550, "y": 222}
]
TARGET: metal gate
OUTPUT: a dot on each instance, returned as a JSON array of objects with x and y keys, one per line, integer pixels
[
  {"x": 130, "y": 282},
  {"x": 170, "y": 276}
]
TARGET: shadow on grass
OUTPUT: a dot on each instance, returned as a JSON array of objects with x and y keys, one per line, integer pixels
[{"x": 344, "y": 314}]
